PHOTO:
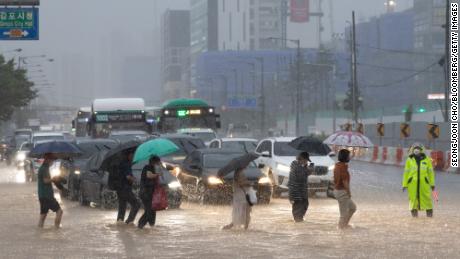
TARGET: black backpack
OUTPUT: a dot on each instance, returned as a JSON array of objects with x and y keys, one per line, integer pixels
[{"x": 115, "y": 180}]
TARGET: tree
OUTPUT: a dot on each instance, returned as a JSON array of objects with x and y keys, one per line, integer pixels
[
  {"x": 16, "y": 90},
  {"x": 348, "y": 102}
]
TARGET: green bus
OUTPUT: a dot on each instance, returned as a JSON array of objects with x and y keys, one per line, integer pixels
[{"x": 185, "y": 113}]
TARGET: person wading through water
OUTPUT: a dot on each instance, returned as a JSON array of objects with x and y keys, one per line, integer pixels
[{"x": 298, "y": 186}]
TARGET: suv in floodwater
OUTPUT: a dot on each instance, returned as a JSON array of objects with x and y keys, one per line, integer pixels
[{"x": 277, "y": 155}]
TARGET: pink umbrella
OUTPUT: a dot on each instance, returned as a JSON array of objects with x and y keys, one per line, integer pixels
[{"x": 348, "y": 139}]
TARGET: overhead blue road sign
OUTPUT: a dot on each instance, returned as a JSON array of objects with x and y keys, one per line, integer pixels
[
  {"x": 242, "y": 102},
  {"x": 18, "y": 23}
]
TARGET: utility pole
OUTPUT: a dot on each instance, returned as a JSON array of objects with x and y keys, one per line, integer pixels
[
  {"x": 446, "y": 65},
  {"x": 298, "y": 88},
  {"x": 354, "y": 72},
  {"x": 262, "y": 95}
]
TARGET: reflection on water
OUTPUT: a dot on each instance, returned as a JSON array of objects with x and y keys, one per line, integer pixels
[{"x": 20, "y": 176}]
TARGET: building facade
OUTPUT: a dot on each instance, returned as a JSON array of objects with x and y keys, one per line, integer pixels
[{"x": 175, "y": 59}]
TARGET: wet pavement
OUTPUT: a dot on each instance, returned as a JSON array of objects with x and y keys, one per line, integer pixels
[{"x": 383, "y": 227}]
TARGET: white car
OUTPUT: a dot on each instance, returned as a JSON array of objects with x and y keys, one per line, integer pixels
[
  {"x": 277, "y": 155},
  {"x": 33, "y": 164},
  {"x": 204, "y": 134},
  {"x": 243, "y": 144}
]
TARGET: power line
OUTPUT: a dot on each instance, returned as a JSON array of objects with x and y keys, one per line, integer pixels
[
  {"x": 394, "y": 68},
  {"x": 405, "y": 78},
  {"x": 399, "y": 51}
]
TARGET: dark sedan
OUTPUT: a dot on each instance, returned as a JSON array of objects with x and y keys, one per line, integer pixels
[
  {"x": 94, "y": 188},
  {"x": 72, "y": 170},
  {"x": 200, "y": 182},
  {"x": 187, "y": 144}
]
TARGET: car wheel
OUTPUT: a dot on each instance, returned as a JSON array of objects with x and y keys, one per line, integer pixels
[
  {"x": 73, "y": 192},
  {"x": 108, "y": 198},
  {"x": 203, "y": 196},
  {"x": 330, "y": 191},
  {"x": 264, "y": 199},
  {"x": 82, "y": 199}
]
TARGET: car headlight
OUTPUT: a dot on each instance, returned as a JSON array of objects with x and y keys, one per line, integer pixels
[
  {"x": 331, "y": 168},
  {"x": 282, "y": 167},
  {"x": 77, "y": 172},
  {"x": 265, "y": 180},
  {"x": 55, "y": 172},
  {"x": 21, "y": 157},
  {"x": 214, "y": 180},
  {"x": 174, "y": 185}
]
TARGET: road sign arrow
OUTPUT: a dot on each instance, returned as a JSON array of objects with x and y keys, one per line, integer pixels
[
  {"x": 381, "y": 129},
  {"x": 405, "y": 130},
  {"x": 25, "y": 33},
  {"x": 433, "y": 131}
]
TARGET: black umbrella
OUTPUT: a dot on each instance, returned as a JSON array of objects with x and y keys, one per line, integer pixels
[
  {"x": 60, "y": 149},
  {"x": 310, "y": 144},
  {"x": 237, "y": 163},
  {"x": 115, "y": 155},
  {"x": 94, "y": 163}
]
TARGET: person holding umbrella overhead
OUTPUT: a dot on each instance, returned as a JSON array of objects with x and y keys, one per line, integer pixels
[
  {"x": 151, "y": 150},
  {"x": 125, "y": 192},
  {"x": 242, "y": 190},
  {"x": 298, "y": 185},
  {"x": 46, "y": 194},
  {"x": 50, "y": 151},
  {"x": 149, "y": 178}
]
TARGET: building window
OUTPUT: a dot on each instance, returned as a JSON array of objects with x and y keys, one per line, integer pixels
[
  {"x": 223, "y": 6},
  {"x": 252, "y": 44},
  {"x": 223, "y": 45},
  {"x": 238, "y": 5},
  {"x": 238, "y": 46}
]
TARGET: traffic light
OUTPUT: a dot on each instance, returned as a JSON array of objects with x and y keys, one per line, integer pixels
[{"x": 421, "y": 109}]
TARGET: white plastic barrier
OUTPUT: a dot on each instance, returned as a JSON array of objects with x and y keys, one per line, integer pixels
[{"x": 391, "y": 156}]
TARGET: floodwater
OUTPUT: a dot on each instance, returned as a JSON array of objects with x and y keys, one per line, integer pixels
[{"x": 383, "y": 227}]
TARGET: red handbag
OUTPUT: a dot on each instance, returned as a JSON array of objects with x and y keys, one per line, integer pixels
[{"x": 160, "y": 198}]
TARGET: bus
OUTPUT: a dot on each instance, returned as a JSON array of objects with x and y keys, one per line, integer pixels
[
  {"x": 117, "y": 114},
  {"x": 80, "y": 123},
  {"x": 186, "y": 113}
]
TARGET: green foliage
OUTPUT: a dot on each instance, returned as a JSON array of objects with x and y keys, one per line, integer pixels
[
  {"x": 348, "y": 102},
  {"x": 15, "y": 90}
]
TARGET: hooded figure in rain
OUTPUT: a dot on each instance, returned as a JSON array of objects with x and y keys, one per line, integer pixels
[{"x": 419, "y": 180}]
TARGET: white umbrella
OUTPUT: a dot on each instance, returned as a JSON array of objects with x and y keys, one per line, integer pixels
[{"x": 348, "y": 139}]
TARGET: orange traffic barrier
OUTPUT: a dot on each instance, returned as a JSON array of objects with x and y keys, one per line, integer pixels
[{"x": 437, "y": 157}]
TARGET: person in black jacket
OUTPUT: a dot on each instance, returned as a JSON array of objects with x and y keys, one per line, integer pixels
[
  {"x": 149, "y": 177},
  {"x": 298, "y": 186}
]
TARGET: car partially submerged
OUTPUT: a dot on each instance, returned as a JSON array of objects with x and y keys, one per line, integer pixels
[
  {"x": 94, "y": 187},
  {"x": 200, "y": 182}
]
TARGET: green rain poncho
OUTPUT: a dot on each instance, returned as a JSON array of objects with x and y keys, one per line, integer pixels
[{"x": 419, "y": 180}]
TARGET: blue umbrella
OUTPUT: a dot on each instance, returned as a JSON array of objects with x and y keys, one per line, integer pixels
[{"x": 61, "y": 149}]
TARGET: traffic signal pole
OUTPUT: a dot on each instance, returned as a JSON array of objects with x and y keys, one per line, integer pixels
[{"x": 354, "y": 71}]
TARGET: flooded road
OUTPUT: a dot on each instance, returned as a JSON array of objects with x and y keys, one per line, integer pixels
[{"x": 383, "y": 227}]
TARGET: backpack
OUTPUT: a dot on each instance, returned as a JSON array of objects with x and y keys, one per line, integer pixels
[{"x": 115, "y": 180}]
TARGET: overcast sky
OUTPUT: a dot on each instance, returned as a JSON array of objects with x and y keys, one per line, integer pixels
[{"x": 99, "y": 34}]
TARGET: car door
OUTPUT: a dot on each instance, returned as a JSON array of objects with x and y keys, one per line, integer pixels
[
  {"x": 264, "y": 146},
  {"x": 190, "y": 171}
]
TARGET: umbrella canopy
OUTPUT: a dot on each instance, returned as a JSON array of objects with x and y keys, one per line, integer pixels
[
  {"x": 154, "y": 147},
  {"x": 61, "y": 149},
  {"x": 311, "y": 145},
  {"x": 115, "y": 155},
  {"x": 237, "y": 163},
  {"x": 348, "y": 139}
]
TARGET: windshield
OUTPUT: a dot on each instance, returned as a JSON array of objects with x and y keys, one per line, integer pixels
[
  {"x": 246, "y": 146},
  {"x": 205, "y": 136},
  {"x": 220, "y": 160},
  {"x": 48, "y": 138},
  {"x": 284, "y": 149},
  {"x": 90, "y": 149}
]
